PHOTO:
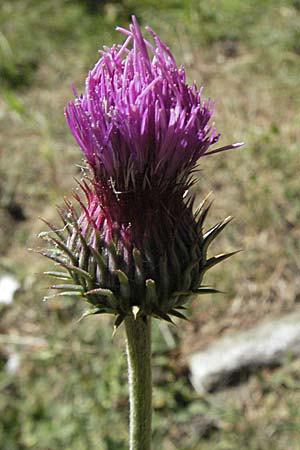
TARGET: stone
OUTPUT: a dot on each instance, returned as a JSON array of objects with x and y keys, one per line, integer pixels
[
  {"x": 265, "y": 344},
  {"x": 8, "y": 286},
  {"x": 13, "y": 363}
]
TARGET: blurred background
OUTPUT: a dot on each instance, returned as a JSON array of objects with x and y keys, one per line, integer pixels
[{"x": 63, "y": 385}]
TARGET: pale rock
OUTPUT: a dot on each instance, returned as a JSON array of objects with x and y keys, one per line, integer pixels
[
  {"x": 13, "y": 363},
  {"x": 263, "y": 345},
  {"x": 8, "y": 286}
]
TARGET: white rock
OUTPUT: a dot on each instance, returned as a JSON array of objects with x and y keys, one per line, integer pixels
[
  {"x": 261, "y": 345},
  {"x": 13, "y": 363},
  {"x": 8, "y": 286}
]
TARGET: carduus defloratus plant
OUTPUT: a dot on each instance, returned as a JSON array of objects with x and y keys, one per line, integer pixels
[{"x": 137, "y": 248}]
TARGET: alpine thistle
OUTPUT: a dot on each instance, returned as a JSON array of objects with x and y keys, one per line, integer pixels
[{"x": 136, "y": 247}]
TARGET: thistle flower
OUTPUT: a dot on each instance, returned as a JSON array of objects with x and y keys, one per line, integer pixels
[{"x": 136, "y": 246}]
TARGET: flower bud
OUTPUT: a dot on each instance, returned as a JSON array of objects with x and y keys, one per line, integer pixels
[{"x": 136, "y": 246}]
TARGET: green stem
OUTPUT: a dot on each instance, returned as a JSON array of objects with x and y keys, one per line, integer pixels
[{"x": 138, "y": 333}]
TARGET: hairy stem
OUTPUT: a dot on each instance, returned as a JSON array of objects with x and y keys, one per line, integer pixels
[{"x": 138, "y": 333}]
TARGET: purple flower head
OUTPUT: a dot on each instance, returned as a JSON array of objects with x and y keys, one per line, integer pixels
[
  {"x": 137, "y": 244},
  {"x": 140, "y": 126}
]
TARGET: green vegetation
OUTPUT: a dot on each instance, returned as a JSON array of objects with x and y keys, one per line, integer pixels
[{"x": 70, "y": 391}]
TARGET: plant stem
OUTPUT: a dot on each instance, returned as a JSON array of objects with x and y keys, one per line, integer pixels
[{"x": 138, "y": 333}]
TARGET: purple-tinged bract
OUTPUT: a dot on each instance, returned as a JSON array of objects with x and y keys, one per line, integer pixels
[{"x": 142, "y": 129}]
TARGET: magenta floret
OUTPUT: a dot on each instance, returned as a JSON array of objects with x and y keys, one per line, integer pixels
[{"x": 138, "y": 122}]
